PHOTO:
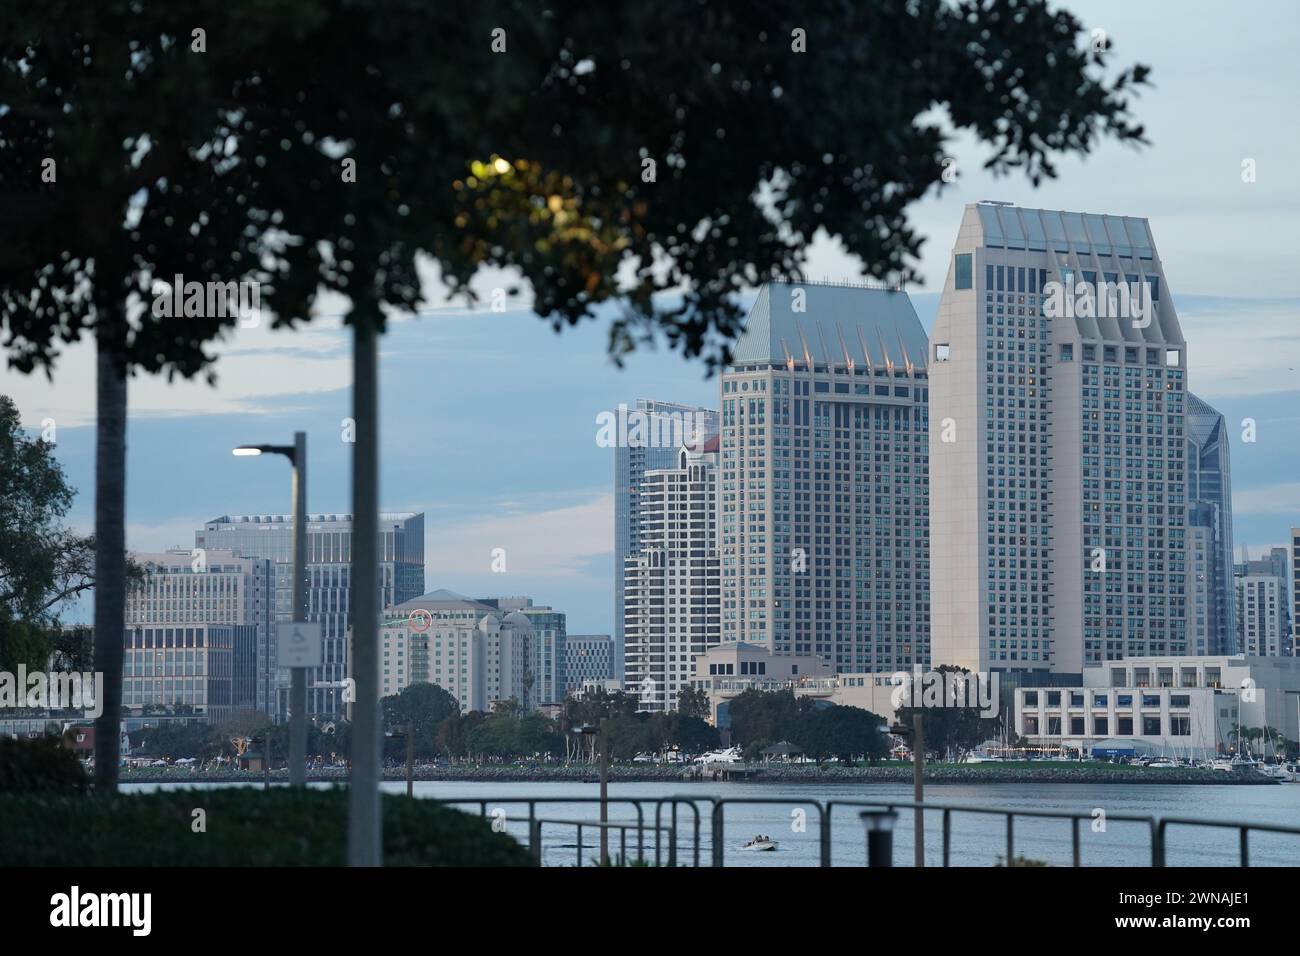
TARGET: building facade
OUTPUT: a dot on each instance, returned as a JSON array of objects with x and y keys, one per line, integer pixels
[
  {"x": 671, "y": 583},
  {"x": 546, "y": 664},
  {"x": 823, "y": 493},
  {"x": 588, "y": 659},
  {"x": 199, "y": 632},
  {"x": 651, "y": 440},
  {"x": 329, "y": 570},
  {"x": 1178, "y": 706},
  {"x": 1209, "y": 509},
  {"x": 1058, "y": 491},
  {"x": 477, "y": 652},
  {"x": 1295, "y": 592},
  {"x": 1263, "y": 604}
]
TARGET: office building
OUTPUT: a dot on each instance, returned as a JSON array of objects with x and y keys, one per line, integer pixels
[
  {"x": 1209, "y": 509},
  {"x": 1295, "y": 592},
  {"x": 671, "y": 590},
  {"x": 646, "y": 437},
  {"x": 1058, "y": 508},
  {"x": 198, "y": 630},
  {"x": 823, "y": 495},
  {"x": 1264, "y": 625},
  {"x": 588, "y": 659},
  {"x": 329, "y": 570}
]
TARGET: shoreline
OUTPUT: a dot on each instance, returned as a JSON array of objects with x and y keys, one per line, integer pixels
[{"x": 981, "y": 773}]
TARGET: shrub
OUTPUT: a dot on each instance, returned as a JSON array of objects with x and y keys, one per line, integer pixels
[
  {"x": 242, "y": 827},
  {"x": 39, "y": 764}
]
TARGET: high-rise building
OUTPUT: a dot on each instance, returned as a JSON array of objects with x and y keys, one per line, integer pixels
[
  {"x": 1209, "y": 507},
  {"x": 1295, "y": 592},
  {"x": 1259, "y": 614},
  {"x": 671, "y": 589},
  {"x": 1263, "y": 604},
  {"x": 198, "y": 628},
  {"x": 479, "y": 653},
  {"x": 329, "y": 568},
  {"x": 1058, "y": 458},
  {"x": 588, "y": 659},
  {"x": 648, "y": 436},
  {"x": 823, "y": 494}
]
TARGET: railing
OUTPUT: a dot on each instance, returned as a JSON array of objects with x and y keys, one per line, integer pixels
[{"x": 666, "y": 825}]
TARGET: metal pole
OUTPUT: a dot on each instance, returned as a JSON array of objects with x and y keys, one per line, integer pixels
[
  {"x": 918, "y": 787},
  {"x": 364, "y": 822},
  {"x": 410, "y": 759},
  {"x": 298, "y": 675},
  {"x": 604, "y": 789}
]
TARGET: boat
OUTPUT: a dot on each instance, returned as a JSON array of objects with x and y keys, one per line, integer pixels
[
  {"x": 761, "y": 844},
  {"x": 1274, "y": 771},
  {"x": 1162, "y": 762},
  {"x": 1292, "y": 772}
]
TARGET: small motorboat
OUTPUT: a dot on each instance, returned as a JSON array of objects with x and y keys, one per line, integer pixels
[{"x": 760, "y": 843}]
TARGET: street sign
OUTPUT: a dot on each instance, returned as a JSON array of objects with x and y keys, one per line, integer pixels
[{"x": 299, "y": 644}]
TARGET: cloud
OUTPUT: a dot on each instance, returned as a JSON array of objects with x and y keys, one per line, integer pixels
[
  {"x": 1282, "y": 498},
  {"x": 544, "y": 545}
]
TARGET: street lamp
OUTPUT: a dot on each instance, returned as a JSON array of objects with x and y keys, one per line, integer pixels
[
  {"x": 297, "y": 455},
  {"x": 879, "y": 825},
  {"x": 602, "y": 733},
  {"x": 918, "y": 781}
]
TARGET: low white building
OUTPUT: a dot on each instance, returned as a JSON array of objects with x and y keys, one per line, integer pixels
[{"x": 1182, "y": 705}]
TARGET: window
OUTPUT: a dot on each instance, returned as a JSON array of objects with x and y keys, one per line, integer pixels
[
  {"x": 962, "y": 278},
  {"x": 1067, "y": 353},
  {"x": 942, "y": 352}
]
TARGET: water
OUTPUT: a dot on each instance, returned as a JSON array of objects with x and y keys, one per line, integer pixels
[{"x": 977, "y": 840}]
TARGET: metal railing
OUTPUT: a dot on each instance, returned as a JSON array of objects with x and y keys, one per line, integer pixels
[
  {"x": 535, "y": 839},
  {"x": 666, "y": 824}
]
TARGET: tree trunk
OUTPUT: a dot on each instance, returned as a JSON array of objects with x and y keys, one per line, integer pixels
[
  {"x": 110, "y": 552},
  {"x": 364, "y": 822}
]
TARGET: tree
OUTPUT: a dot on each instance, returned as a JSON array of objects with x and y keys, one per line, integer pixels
[
  {"x": 692, "y": 735},
  {"x": 420, "y": 707},
  {"x": 842, "y": 732},
  {"x": 765, "y": 716},
  {"x": 614, "y": 154},
  {"x": 116, "y": 171},
  {"x": 42, "y": 563},
  {"x": 693, "y": 702}
]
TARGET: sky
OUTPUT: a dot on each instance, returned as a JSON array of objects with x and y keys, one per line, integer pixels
[{"x": 489, "y": 419}]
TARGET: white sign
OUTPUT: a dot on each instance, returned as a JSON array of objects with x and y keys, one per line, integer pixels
[{"x": 299, "y": 644}]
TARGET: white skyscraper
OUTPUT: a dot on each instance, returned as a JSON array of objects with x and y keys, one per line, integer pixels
[
  {"x": 671, "y": 591},
  {"x": 823, "y": 488},
  {"x": 649, "y": 436},
  {"x": 1058, "y": 509}
]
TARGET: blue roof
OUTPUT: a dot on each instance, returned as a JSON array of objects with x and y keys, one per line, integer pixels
[{"x": 831, "y": 325}]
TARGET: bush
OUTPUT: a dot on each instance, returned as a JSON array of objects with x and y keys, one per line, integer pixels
[
  {"x": 39, "y": 764},
  {"x": 244, "y": 827}
]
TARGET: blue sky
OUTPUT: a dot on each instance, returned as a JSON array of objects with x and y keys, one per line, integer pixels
[{"x": 489, "y": 418}]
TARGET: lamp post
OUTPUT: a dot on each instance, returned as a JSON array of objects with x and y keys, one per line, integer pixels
[
  {"x": 297, "y": 455},
  {"x": 602, "y": 735},
  {"x": 879, "y": 825},
  {"x": 918, "y": 782}
]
